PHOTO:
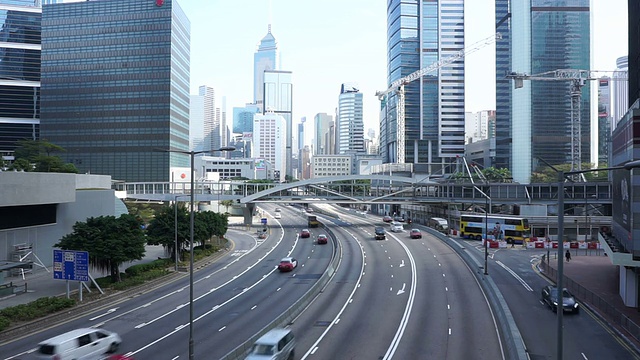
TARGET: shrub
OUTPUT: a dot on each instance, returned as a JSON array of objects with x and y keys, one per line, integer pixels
[
  {"x": 141, "y": 268},
  {"x": 4, "y": 323},
  {"x": 36, "y": 309}
]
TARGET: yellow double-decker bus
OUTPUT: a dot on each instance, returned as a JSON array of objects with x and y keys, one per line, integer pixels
[{"x": 515, "y": 230}]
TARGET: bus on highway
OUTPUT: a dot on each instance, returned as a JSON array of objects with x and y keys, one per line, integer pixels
[
  {"x": 515, "y": 230},
  {"x": 312, "y": 221}
]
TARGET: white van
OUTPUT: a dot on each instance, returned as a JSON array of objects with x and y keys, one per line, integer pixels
[
  {"x": 277, "y": 344},
  {"x": 79, "y": 344},
  {"x": 277, "y": 215}
]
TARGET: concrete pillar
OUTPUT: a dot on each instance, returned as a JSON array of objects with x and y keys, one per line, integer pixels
[{"x": 247, "y": 213}]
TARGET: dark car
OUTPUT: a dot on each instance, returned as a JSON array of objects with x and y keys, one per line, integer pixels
[
  {"x": 322, "y": 239},
  {"x": 379, "y": 231},
  {"x": 305, "y": 233},
  {"x": 399, "y": 218},
  {"x": 387, "y": 219},
  {"x": 415, "y": 234},
  {"x": 550, "y": 297}
]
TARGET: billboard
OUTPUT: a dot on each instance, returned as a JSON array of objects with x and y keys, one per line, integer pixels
[
  {"x": 621, "y": 190},
  {"x": 260, "y": 164},
  {"x": 247, "y": 136}
]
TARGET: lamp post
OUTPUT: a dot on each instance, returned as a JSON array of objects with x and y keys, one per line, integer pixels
[
  {"x": 562, "y": 175},
  {"x": 486, "y": 229},
  {"x": 175, "y": 224},
  {"x": 192, "y": 155}
]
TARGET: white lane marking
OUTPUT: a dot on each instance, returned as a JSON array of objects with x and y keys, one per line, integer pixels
[
  {"x": 524, "y": 283},
  {"x": 402, "y": 263},
  {"x": 401, "y": 291},
  {"x": 584, "y": 356},
  {"x": 105, "y": 314},
  {"x": 449, "y": 331},
  {"x": 222, "y": 328}
]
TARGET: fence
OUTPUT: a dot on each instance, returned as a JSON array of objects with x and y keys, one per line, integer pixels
[{"x": 604, "y": 308}]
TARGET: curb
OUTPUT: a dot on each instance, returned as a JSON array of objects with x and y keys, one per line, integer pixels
[{"x": 81, "y": 309}]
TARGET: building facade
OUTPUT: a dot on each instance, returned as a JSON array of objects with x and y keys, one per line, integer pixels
[
  {"x": 321, "y": 125},
  {"x": 421, "y": 33},
  {"x": 332, "y": 165},
  {"x": 116, "y": 88},
  {"x": 605, "y": 121},
  {"x": 243, "y": 118},
  {"x": 278, "y": 99},
  {"x": 620, "y": 90},
  {"x": 196, "y": 123},
  {"x": 19, "y": 73},
  {"x": 265, "y": 58},
  {"x": 269, "y": 132},
  {"x": 541, "y": 36},
  {"x": 349, "y": 121}
]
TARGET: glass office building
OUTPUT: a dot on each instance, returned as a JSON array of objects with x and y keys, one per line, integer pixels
[
  {"x": 19, "y": 73},
  {"x": 421, "y": 33},
  {"x": 349, "y": 121},
  {"x": 115, "y": 86},
  {"x": 278, "y": 99},
  {"x": 542, "y": 36},
  {"x": 265, "y": 58}
]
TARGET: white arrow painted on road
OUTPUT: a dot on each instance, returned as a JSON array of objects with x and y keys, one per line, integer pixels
[
  {"x": 402, "y": 263},
  {"x": 401, "y": 291},
  {"x": 105, "y": 314}
]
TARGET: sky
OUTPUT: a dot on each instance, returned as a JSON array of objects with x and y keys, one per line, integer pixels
[{"x": 330, "y": 42}]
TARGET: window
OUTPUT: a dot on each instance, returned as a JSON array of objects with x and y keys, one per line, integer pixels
[{"x": 84, "y": 340}]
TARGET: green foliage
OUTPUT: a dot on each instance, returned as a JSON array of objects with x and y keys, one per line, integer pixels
[
  {"x": 162, "y": 231},
  {"x": 138, "y": 269},
  {"x": 497, "y": 175},
  {"x": 4, "y": 323},
  {"x": 36, "y": 309},
  {"x": 142, "y": 211},
  {"x": 37, "y": 155},
  {"x": 546, "y": 174},
  {"x": 110, "y": 241}
]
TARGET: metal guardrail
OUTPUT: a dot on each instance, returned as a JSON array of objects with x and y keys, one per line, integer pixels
[
  {"x": 585, "y": 295},
  {"x": 285, "y": 318}
]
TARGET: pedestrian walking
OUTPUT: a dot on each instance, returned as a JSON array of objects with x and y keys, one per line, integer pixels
[{"x": 567, "y": 255}]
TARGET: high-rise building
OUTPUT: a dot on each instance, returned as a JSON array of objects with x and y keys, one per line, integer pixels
[
  {"x": 604, "y": 121},
  {"x": 211, "y": 119},
  {"x": 349, "y": 122},
  {"x": 634, "y": 55},
  {"x": 196, "y": 123},
  {"x": 534, "y": 122},
  {"x": 278, "y": 92},
  {"x": 476, "y": 125},
  {"x": 421, "y": 33},
  {"x": 321, "y": 125},
  {"x": 243, "y": 118},
  {"x": 620, "y": 90},
  {"x": 269, "y": 131},
  {"x": 19, "y": 73},
  {"x": 265, "y": 58},
  {"x": 113, "y": 93}
]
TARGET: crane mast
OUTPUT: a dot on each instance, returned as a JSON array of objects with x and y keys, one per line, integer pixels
[
  {"x": 577, "y": 78},
  {"x": 398, "y": 87}
]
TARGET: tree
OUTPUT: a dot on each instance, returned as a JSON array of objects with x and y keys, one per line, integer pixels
[
  {"x": 110, "y": 242},
  {"x": 209, "y": 224},
  {"x": 227, "y": 204},
  {"x": 37, "y": 155},
  {"x": 497, "y": 175},
  {"x": 161, "y": 229}
]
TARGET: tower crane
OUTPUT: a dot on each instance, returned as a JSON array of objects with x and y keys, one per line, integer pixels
[
  {"x": 577, "y": 78},
  {"x": 398, "y": 85}
]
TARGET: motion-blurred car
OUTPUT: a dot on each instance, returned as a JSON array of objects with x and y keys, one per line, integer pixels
[
  {"x": 415, "y": 234},
  {"x": 322, "y": 239},
  {"x": 387, "y": 219},
  {"x": 305, "y": 233},
  {"x": 287, "y": 264},
  {"x": 399, "y": 218},
  {"x": 550, "y": 297},
  {"x": 379, "y": 231}
]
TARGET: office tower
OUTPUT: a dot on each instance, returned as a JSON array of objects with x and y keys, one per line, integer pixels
[
  {"x": 634, "y": 51},
  {"x": 269, "y": 131},
  {"x": 278, "y": 90},
  {"x": 265, "y": 58},
  {"x": 349, "y": 123},
  {"x": 321, "y": 124},
  {"x": 620, "y": 90},
  {"x": 113, "y": 93},
  {"x": 604, "y": 121},
  {"x": 476, "y": 125},
  {"x": 19, "y": 74},
  {"x": 421, "y": 33},
  {"x": 300, "y": 148},
  {"x": 243, "y": 118},
  {"x": 211, "y": 118},
  {"x": 224, "y": 126},
  {"x": 534, "y": 122},
  {"x": 196, "y": 123},
  {"x": 330, "y": 139}
]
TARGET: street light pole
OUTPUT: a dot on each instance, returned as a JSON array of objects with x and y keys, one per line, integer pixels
[
  {"x": 175, "y": 223},
  {"x": 487, "y": 207},
  {"x": 562, "y": 175}
]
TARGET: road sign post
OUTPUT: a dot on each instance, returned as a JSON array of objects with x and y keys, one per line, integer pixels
[{"x": 71, "y": 265}]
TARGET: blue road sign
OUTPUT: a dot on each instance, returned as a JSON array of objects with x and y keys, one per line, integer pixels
[
  {"x": 264, "y": 221},
  {"x": 71, "y": 265}
]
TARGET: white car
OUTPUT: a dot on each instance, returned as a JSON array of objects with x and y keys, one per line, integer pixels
[
  {"x": 396, "y": 226},
  {"x": 86, "y": 343}
]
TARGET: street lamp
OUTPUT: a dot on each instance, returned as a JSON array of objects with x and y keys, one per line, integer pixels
[
  {"x": 486, "y": 229},
  {"x": 192, "y": 155},
  {"x": 562, "y": 175},
  {"x": 175, "y": 224}
]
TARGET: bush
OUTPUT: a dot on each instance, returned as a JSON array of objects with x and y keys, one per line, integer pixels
[
  {"x": 4, "y": 323},
  {"x": 36, "y": 309},
  {"x": 141, "y": 268}
]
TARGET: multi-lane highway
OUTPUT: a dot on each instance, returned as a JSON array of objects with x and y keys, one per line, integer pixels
[{"x": 396, "y": 298}]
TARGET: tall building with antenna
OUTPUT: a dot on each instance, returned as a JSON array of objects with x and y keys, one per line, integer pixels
[{"x": 265, "y": 58}]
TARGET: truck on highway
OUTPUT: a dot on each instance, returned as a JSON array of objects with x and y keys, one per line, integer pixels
[{"x": 312, "y": 221}]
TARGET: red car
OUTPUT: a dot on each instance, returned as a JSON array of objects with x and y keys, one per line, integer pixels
[
  {"x": 305, "y": 233},
  {"x": 415, "y": 234},
  {"x": 287, "y": 264},
  {"x": 322, "y": 239},
  {"x": 387, "y": 219}
]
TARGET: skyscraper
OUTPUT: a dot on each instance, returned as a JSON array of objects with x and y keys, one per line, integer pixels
[
  {"x": 113, "y": 92},
  {"x": 349, "y": 122},
  {"x": 19, "y": 73},
  {"x": 419, "y": 34},
  {"x": 211, "y": 118},
  {"x": 604, "y": 121},
  {"x": 268, "y": 140},
  {"x": 620, "y": 90},
  {"x": 265, "y": 58},
  {"x": 321, "y": 124},
  {"x": 196, "y": 123},
  {"x": 541, "y": 35},
  {"x": 278, "y": 99}
]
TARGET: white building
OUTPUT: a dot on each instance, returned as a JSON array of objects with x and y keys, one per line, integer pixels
[
  {"x": 213, "y": 168},
  {"x": 331, "y": 165},
  {"x": 211, "y": 118},
  {"x": 349, "y": 121},
  {"x": 476, "y": 125},
  {"x": 269, "y": 141},
  {"x": 620, "y": 95}
]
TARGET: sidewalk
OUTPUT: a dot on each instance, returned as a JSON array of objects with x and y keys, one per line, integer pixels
[{"x": 594, "y": 280}]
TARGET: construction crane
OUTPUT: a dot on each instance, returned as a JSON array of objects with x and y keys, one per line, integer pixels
[
  {"x": 398, "y": 85},
  {"x": 577, "y": 79}
]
